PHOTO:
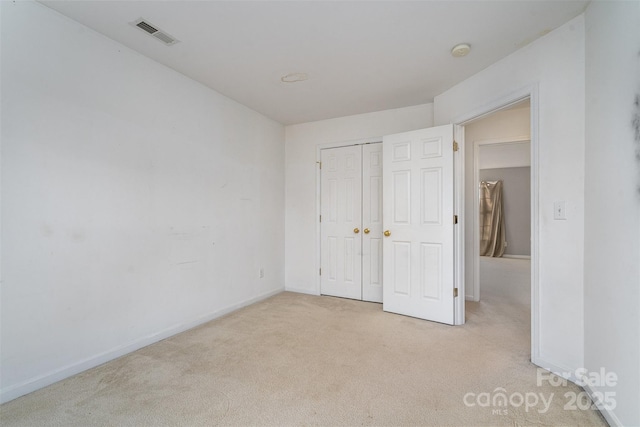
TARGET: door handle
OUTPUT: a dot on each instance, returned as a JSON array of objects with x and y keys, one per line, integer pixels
[
  {"x": 387, "y": 233},
  {"x": 366, "y": 231},
  {"x": 356, "y": 230}
]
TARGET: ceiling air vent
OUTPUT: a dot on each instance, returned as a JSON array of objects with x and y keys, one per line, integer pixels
[{"x": 153, "y": 31}]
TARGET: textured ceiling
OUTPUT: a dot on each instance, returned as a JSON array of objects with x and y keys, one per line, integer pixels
[{"x": 360, "y": 56}]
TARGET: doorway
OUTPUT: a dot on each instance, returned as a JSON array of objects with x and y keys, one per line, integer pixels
[
  {"x": 498, "y": 155},
  {"x": 505, "y": 161}
]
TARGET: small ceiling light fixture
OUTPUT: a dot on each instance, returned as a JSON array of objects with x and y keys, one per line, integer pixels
[
  {"x": 294, "y": 77},
  {"x": 460, "y": 50}
]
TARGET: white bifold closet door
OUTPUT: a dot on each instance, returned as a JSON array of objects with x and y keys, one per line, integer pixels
[{"x": 351, "y": 222}]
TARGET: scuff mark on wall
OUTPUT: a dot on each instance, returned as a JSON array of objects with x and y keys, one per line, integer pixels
[
  {"x": 77, "y": 235},
  {"x": 187, "y": 262},
  {"x": 46, "y": 230},
  {"x": 635, "y": 124}
]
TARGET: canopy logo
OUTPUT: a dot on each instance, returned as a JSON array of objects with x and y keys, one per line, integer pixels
[{"x": 500, "y": 402}]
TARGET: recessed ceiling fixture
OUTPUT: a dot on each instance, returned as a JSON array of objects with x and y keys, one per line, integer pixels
[
  {"x": 460, "y": 50},
  {"x": 294, "y": 77},
  {"x": 154, "y": 32}
]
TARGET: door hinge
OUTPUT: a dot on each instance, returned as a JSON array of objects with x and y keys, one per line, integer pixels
[
  {"x": 455, "y": 292},
  {"x": 455, "y": 146},
  {"x": 319, "y": 164},
  {"x": 320, "y": 218},
  {"x": 455, "y": 219},
  {"x": 320, "y": 271}
]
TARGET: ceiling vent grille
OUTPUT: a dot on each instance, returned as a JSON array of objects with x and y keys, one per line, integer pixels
[
  {"x": 153, "y": 31},
  {"x": 148, "y": 28}
]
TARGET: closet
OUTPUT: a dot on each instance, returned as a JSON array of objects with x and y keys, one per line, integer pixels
[
  {"x": 407, "y": 243},
  {"x": 351, "y": 222}
]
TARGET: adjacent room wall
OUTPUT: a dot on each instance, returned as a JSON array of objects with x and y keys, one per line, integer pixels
[
  {"x": 136, "y": 202},
  {"x": 302, "y": 142},
  {"x": 516, "y": 153},
  {"x": 612, "y": 204},
  {"x": 555, "y": 65},
  {"x": 516, "y": 198}
]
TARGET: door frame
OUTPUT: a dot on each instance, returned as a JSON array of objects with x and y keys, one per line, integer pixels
[
  {"x": 475, "y": 284},
  {"x": 499, "y": 103},
  {"x": 319, "y": 149}
]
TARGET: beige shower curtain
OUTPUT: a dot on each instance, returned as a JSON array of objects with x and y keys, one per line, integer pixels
[{"x": 492, "y": 232}]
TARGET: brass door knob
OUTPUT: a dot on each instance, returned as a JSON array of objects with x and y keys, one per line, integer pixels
[
  {"x": 387, "y": 233},
  {"x": 366, "y": 231},
  {"x": 356, "y": 230}
]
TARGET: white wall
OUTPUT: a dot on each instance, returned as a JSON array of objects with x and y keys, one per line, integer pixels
[
  {"x": 555, "y": 63},
  {"x": 505, "y": 125},
  {"x": 136, "y": 202},
  {"x": 302, "y": 141},
  {"x": 612, "y": 202},
  {"x": 496, "y": 156}
]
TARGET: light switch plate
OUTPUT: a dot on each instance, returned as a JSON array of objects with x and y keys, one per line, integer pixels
[{"x": 559, "y": 210}]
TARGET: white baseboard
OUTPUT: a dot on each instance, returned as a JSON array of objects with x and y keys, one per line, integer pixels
[
  {"x": 608, "y": 415},
  {"x": 570, "y": 374},
  {"x": 302, "y": 291},
  {"x": 516, "y": 256},
  {"x": 561, "y": 371},
  {"x": 16, "y": 390}
]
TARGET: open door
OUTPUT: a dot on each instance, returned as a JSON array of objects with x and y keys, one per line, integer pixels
[{"x": 418, "y": 247}]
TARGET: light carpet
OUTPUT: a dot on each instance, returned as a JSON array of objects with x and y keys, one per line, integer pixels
[{"x": 296, "y": 359}]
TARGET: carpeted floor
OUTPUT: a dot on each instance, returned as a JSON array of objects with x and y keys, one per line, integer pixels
[{"x": 305, "y": 360}]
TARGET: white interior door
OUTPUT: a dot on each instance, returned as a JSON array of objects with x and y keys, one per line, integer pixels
[
  {"x": 341, "y": 218},
  {"x": 372, "y": 222},
  {"x": 418, "y": 213}
]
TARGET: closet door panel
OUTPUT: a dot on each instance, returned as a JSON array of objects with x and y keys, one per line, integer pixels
[
  {"x": 372, "y": 222},
  {"x": 341, "y": 218}
]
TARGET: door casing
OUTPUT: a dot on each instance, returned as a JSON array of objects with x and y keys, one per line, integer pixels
[{"x": 499, "y": 103}]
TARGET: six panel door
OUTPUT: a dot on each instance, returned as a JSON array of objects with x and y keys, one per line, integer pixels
[{"x": 418, "y": 250}]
